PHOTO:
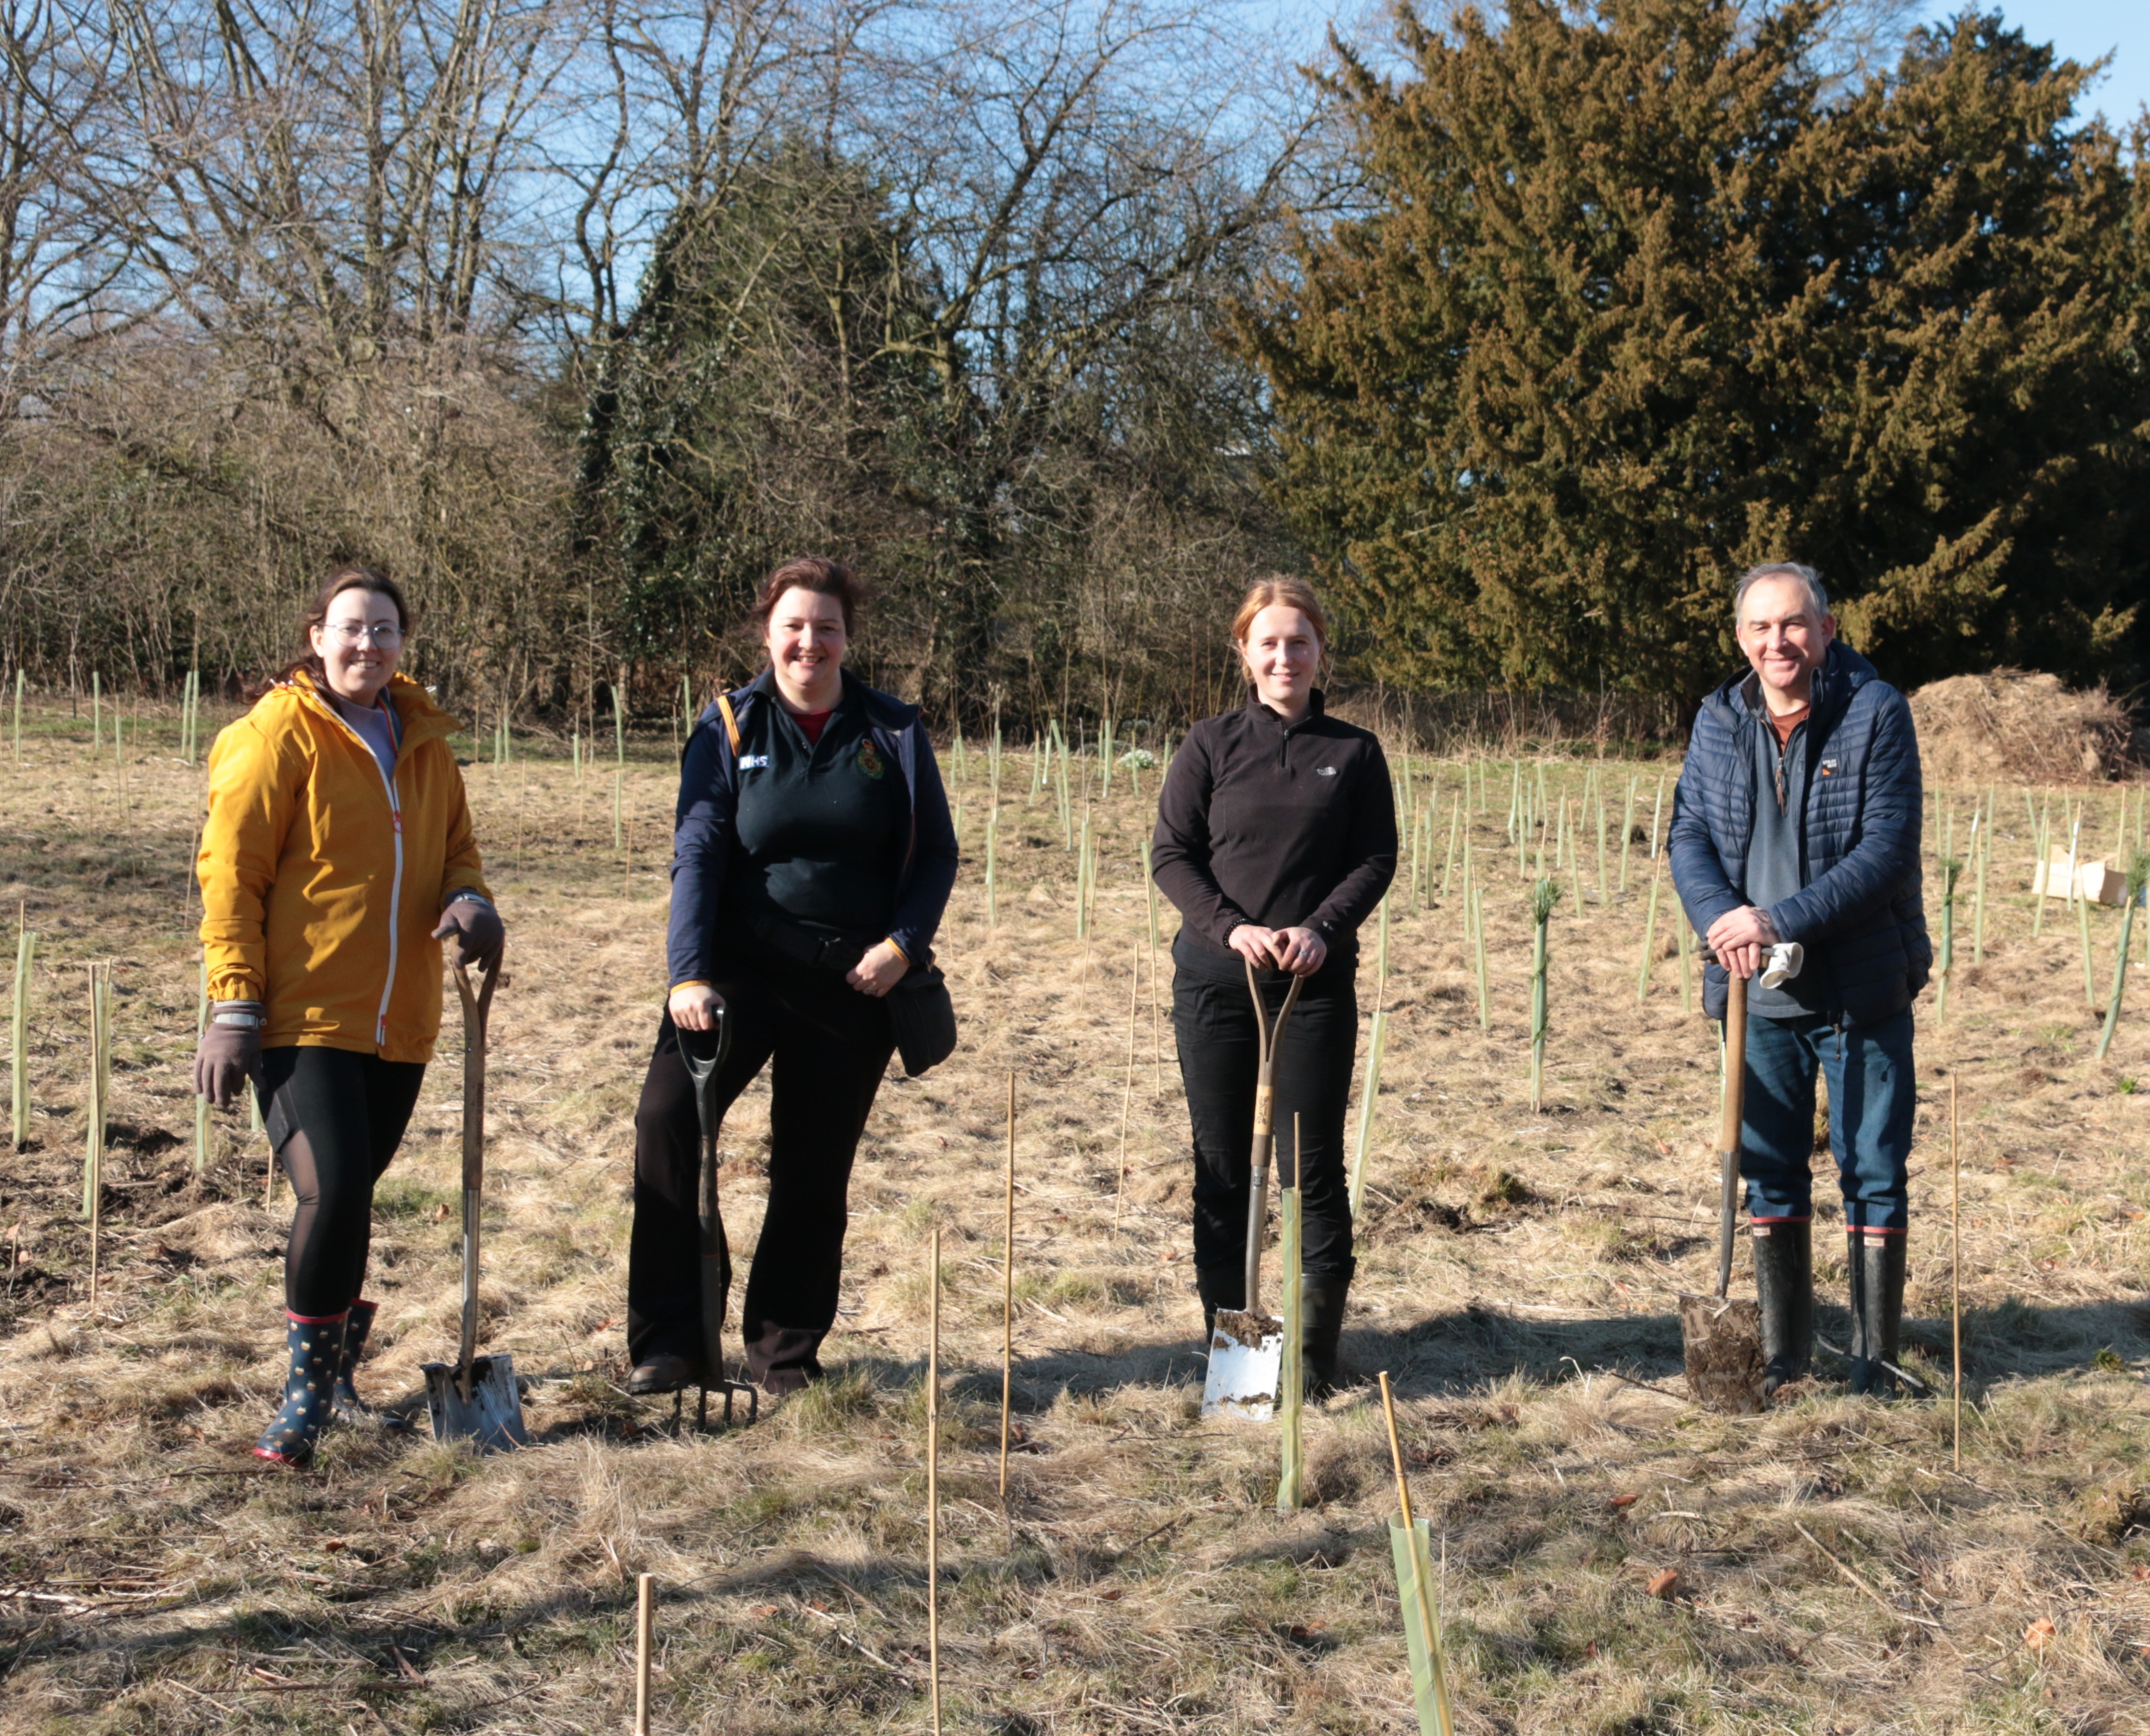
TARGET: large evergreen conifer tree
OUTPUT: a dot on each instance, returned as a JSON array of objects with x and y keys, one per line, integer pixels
[{"x": 1638, "y": 300}]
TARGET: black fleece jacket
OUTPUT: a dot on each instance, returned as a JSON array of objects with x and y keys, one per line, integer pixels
[{"x": 1282, "y": 827}]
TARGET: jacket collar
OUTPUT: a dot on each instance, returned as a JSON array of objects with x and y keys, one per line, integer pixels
[
  {"x": 1317, "y": 706},
  {"x": 1842, "y": 674},
  {"x": 422, "y": 720},
  {"x": 883, "y": 710}
]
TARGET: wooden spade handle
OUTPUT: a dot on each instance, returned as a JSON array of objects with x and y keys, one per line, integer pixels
[{"x": 1735, "y": 1061}]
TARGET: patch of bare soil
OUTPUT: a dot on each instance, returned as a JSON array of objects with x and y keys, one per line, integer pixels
[{"x": 1832, "y": 1566}]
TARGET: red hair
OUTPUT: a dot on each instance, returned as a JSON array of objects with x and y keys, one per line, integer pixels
[{"x": 1280, "y": 593}]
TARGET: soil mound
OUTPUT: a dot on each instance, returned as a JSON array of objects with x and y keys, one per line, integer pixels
[{"x": 2020, "y": 728}]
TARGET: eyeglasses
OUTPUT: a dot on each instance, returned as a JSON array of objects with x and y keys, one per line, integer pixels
[{"x": 355, "y": 632}]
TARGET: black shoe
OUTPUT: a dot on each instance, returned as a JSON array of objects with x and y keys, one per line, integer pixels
[
  {"x": 1219, "y": 1287},
  {"x": 1783, "y": 1282},
  {"x": 1877, "y": 1312},
  {"x": 663, "y": 1373},
  {"x": 1321, "y": 1296}
]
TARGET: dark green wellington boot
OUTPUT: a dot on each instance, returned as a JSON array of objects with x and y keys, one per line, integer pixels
[
  {"x": 313, "y": 1345},
  {"x": 1321, "y": 1296},
  {"x": 1219, "y": 1287},
  {"x": 1783, "y": 1282},
  {"x": 1878, "y": 1333}
]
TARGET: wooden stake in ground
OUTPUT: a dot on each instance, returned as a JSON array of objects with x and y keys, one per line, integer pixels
[
  {"x": 1435, "y": 1700},
  {"x": 1127, "y": 1095},
  {"x": 19, "y": 1065},
  {"x": 100, "y": 1074},
  {"x": 1008, "y": 1289},
  {"x": 1955, "y": 1266},
  {"x": 933, "y": 1485},
  {"x": 642, "y": 1626}
]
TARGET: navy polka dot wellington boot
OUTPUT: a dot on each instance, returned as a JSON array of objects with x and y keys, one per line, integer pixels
[
  {"x": 315, "y": 1345},
  {"x": 347, "y": 1405}
]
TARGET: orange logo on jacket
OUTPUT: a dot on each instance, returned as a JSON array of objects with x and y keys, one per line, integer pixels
[{"x": 870, "y": 760}]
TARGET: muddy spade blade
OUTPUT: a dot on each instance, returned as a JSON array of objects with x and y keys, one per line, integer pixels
[
  {"x": 1722, "y": 1338},
  {"x": 490, "y": 1413},
  {"x": 1246, "y": 1366}
]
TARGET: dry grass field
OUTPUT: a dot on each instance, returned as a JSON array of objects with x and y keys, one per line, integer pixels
[{"x": 1835, "y": 1572}]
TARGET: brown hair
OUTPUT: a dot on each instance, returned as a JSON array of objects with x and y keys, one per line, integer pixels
[
  {"x": 1280, "y": 592},
  {"x": 349, "y": 577},
  {"x": 810, "y": 572}
]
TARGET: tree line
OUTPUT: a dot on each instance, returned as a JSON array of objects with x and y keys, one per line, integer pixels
[{"x": 1521, "y": 331}]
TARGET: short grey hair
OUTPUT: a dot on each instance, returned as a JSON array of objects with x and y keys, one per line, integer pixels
[{"x": 1817, "y": 598}]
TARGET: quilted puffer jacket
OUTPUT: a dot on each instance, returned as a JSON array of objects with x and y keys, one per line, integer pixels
[{"x": 1860, "y": 910}]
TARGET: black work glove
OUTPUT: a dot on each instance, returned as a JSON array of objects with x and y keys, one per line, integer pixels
[
  {"x": 230, "y": 1052},
  {"x": 475, "y": 927}
]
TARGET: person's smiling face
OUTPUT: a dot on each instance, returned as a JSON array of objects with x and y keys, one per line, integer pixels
[
  {"x": 806, "y": 645},
  {"x": 1283, "y": 653},
  {"x": 360, "y": 643},
  {"x": 1784, "y": 639}
]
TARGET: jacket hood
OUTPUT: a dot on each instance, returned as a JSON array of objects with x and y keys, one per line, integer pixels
[
  {"x": 423, "y": 720},
  {"x": 1842, "y": 674}
]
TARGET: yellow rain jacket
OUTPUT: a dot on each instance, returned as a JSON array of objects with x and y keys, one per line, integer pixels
[{"x": 322, "y": 879}]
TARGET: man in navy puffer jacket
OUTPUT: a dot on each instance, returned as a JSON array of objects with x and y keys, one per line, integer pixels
[{"x": 1797, "y": 819}]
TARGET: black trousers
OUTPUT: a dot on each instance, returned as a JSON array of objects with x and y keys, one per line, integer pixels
[
  {"x": 826, "y": 1046},
  {"x": 335, "y": 1118},
  {"x": 1219, "y": 1057}
]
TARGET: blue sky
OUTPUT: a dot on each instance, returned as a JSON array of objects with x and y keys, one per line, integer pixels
[
  {"x": 2080, "y": 29},
  {"x": 2083, "y": 30}
]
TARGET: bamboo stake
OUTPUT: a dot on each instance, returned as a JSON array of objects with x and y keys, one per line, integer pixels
[
  {"x": 643, "y": 1623},
  {"x": 2090, "y": 976},
  {"x": 1627, "y": 830},
  {"x": 933, "y": 1487},
  {"x": 201, "y": 1103},
  {"x": 1377, "y": 1037},
  {"x": 1604, "y": 887},
  {"x": 1429, "y": 1631},
  {"x": 1649, "y": 934},
  {"x": 1955, "y": 1266},
  {"x": 1127, "y": 1095},
  {"x": 1008, "y": 1290},
  {"x": 18, "y": 1064},
  {"x": 1455, "y": 828},
  {"x": 1478, "y": 931},
  {"x": 1149, "y": 886}
]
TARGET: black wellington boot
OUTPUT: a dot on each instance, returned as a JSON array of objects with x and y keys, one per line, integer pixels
[
  {"x": 1855, "y": 1275},
  {"x": 1879, "y": 1292},
  {"x": 313, "y": 1345},
  {"x": 1321, "y": 1296},
  {"x": 1783, "y": 1281},
  {"x": 1219, "y": 1287}
]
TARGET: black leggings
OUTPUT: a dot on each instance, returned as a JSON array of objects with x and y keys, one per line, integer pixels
[
  {"x": 1219, "y": 1056},
  {"x": 826, "y": 1046},
  {"x": 335, "y": 1119}
]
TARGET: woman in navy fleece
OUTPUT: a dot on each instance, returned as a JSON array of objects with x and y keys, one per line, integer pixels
[{"x": 812, "y": 860}]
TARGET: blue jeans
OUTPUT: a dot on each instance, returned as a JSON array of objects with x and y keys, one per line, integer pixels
[{"x": 1871, "y": 1097}]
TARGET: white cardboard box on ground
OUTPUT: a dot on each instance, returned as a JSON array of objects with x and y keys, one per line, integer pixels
[{"x": 2101, "y": 882}]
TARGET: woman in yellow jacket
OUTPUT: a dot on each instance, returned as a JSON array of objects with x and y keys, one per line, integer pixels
[{"x": 337, "y": 856}]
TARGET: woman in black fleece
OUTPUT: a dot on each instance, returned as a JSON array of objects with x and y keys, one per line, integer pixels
[{"x": 1276, "y": 836}]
